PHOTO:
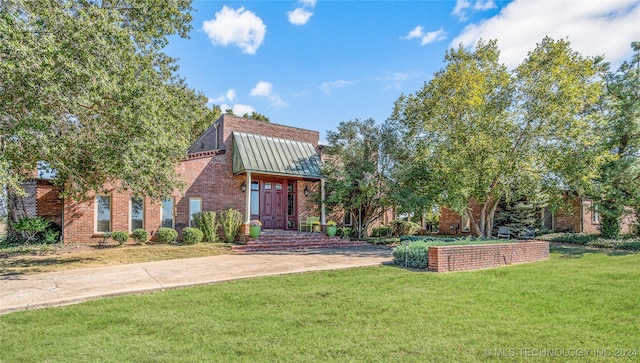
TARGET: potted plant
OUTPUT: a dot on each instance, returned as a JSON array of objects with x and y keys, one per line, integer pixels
[
  {"x": 255, "y": 226},
  {"x": 331, "y": 228},
  {"x": 316, "y": 226}
]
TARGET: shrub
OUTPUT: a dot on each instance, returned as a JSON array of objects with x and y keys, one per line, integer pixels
[
  {"x": 412, "y": 255},
  {"x": 167, "y": 235},
  {"x": 207, "y": 222},
  {"x": 382, "y": 231},
  {"x": 191, "y": 236},
  {"x": 140, "y": 236},
  {"x": 119, "y": 236},
  {"x": 346, "y": 232},
  {"x": 403, "y": 228},
  {"x": 230, "y": 220},
  {"x": 30, "y": 230}
]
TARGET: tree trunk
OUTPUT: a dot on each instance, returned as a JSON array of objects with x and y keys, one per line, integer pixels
[
  {"x": 484, "y": 227},
  {"x": 16, "y": 208}
]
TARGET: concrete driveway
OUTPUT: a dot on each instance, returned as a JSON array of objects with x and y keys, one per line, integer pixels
[{"x": 25, "y": 292}]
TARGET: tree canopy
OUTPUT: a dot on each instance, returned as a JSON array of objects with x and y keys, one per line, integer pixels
[
  {"x": 618, "y": 184},
  {"x": 87, "y": 89},
  {"x": 356, "y": 171},
  {"x": 478, "y": 131}
]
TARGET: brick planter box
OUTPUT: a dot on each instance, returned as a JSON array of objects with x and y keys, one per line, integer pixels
[{"x": 476, "y": 257}]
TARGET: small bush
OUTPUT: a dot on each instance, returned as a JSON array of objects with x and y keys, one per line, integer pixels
[
  {"x": 120, "y": 237},
  {"x": 382, "y": 231},
  {"x": 167, "y": 235},
  {"x": 208, "y": 223},
  {"x": 346, "y": 232},
  {"x": 230, "y": 220},
  {"x": 140, "y": 236},
  {"x": 403, "y": 228},
  {"x": 191, "y": 236},
  {"x": 412, "y": 255},
  {"x": 36, "y": 230}
]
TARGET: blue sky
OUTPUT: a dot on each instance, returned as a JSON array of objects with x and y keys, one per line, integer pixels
[{"x": 313, "y": 64}]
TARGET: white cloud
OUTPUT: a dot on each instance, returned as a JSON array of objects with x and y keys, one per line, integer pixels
[
  {"x": 240, "y": 27},
  {"x": 309, "y": 3},
  {"x": 592, "y": 27},
  {"x": 261, "y": 89},
  {"x": 231, "y": 95},
  {"x": 299, "y": 16},
  {"x": 327, "y": 87},
  {"x": 265, "y": 89},
  {"x": 460, "y": 10},
  {"x": 238, "y": 109},
  {"x": 426, "y": 38}
]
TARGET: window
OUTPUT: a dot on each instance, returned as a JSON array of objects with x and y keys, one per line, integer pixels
[
  {"x": 137, "y": 213},
  {"x": 103, "y": 213},
  {"x": 167, "y": 217},
  {"x": 291, "y": 202},
  {"x": 465, "y": 223},
  {"x": 195, "y": 207},
  {"x": 255, "y": 198},
  {"x": 347, "y": 219},
  {"x": 595, "y": 214}
]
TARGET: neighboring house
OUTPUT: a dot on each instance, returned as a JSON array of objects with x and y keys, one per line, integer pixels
[
  {"x": 580, "y": 215},
  {"x": 264, "y": 170}
]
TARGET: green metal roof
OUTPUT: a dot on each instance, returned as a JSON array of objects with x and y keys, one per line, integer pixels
[{"x": 270, "y": 155}]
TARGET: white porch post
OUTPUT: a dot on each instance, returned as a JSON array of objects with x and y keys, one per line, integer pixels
[
  {"x": 247, "y": 217},
  {"x": 323, "y": 214}
]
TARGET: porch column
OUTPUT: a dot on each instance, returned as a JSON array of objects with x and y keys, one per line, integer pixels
[
  {"x": 323, "y": 213},
  {"x": 247, "y": 214}
]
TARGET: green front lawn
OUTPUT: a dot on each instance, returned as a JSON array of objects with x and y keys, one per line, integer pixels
[{"x": 572, "y": 303}]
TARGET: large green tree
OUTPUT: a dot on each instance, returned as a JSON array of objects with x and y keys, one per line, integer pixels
[
  {"x": 86, "y": 88},
  {"x": 356, "y": 170},
  {"x": 480, "y": 132},
  {"x": 618, "y": 185}
]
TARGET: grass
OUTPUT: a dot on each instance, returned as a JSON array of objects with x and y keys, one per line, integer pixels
[
  {"x": 380, "y": 314},
  {"x": 627, "y": 242},
  {"x": 49, "y": 258}
]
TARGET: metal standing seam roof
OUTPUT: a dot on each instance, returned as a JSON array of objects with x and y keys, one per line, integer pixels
[{"x": 271, "y": 155}]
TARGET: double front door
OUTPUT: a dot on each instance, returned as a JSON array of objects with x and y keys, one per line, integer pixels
[{"x": 273, "y": 202}]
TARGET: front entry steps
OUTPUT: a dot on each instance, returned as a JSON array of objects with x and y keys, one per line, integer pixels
[{"x": 279, "y": 240}]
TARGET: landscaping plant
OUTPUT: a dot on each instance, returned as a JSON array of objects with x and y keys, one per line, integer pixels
[
  {"x": 167, "y": 235},
  {"x": 208, "y": 223},
  {"x": 140, "y": 236},
  {"x": 230, "y": 220},
  {"x": 191, "y": 236}
]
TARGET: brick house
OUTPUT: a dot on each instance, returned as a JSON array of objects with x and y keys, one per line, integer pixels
[
  {"x": 264, "y": 170},
  {"x": 579, "y": 216}
]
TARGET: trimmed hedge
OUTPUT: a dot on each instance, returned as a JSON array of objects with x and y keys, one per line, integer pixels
[
  {"x": 412, "y": 255},
  {"x": 119, "y": 236},
  {"x": 191, "y": 236},
  {"x": 140, "y": 236},
  {"x": 167, "y": 235}
]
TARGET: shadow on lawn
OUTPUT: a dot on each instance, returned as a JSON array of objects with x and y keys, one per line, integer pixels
[
  {"x": 25, "y": 265},
  {"x": 576, "y": 251}
]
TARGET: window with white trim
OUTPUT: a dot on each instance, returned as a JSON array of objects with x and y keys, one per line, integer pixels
[
  {"x": 595, "y": 214},
  {"x": 167, "y": 215},
  {"x": 103, "y": 213},
  {"x": 195, "y": 207},
  {"x": 465, "y": 222},
  {"x": 136, "y": 211}
]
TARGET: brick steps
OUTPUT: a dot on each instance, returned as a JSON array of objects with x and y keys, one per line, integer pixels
[{"x": 287, "y": 241}]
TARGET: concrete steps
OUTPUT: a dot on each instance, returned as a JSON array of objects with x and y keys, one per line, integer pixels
[{"x": 291, "y": 240}]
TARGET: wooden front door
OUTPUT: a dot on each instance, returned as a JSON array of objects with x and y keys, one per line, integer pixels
[{"x": 273, "y": 207}]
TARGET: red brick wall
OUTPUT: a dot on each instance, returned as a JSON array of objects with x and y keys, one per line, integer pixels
[
  {"x": 49, "y": 202},
  {"x": 207, "y": 175},
  {"x": 461, "y": 258},
  {"x": 449, "y": 218}
]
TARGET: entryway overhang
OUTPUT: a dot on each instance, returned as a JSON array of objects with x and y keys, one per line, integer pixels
[
  {"x": 264, "y": 155},
  {"x": 274, "y": 156}
]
